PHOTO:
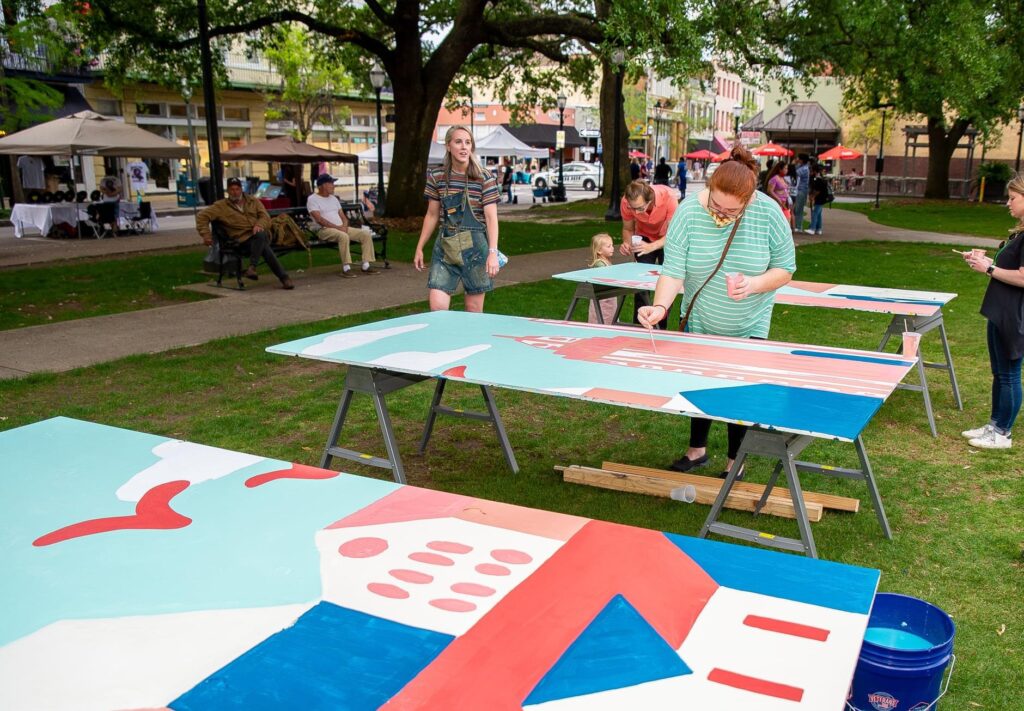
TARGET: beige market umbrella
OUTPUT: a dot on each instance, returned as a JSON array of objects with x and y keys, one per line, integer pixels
[
  {"x": 89, "y": 133},
  {"x": 285, "y": 149}
]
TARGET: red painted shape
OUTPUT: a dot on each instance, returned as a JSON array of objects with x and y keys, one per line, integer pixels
[
  {"x": 388, "y": 590},
  {"x": 153, "y": 511},
  {"x": 473, "y": 589},
  {"x": 755, "y": 685},
  {"x": 507, "y": 555},
  {"x": 538, "y": 619},
  {"x": 431, "y": 559},
  {"x": 365, "y": 547},
  {"x": 452, "y": 605},
  {"x": 411, "y": 576},
  {"x": 297, "y": 471},
  {"x": 458, "y": 371},
  {"x": 449, "y": 547},
  {"x": 783, "y": 627},
  {"x": 492, "y": 569}
]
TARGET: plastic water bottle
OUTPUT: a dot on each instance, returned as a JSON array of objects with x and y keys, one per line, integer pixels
[
  {"x": 686, "y": 493},
  {"x": 502, "y": 260}
]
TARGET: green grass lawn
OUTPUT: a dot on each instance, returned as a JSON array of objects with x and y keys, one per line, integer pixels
[
  {"x": 946, "y": 216},
  {"x": 30, "y": 296},
  {"x": 957, "y": 516}
]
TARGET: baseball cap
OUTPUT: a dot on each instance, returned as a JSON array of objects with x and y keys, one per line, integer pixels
[
  {"x": 324, "y": 178},
  {"x": 234, "y": 181}
]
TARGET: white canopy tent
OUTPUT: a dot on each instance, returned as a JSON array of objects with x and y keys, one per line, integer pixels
[
  {"x": 502, "y": 143},
  {"x": 437, "y": 152}
]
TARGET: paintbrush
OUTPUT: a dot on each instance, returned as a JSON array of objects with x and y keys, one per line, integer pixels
[{"x": 654, "y": 348}]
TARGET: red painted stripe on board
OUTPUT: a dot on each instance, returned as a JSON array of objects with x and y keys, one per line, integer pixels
[
  {"x": 538, "y": 619},
  {"x": 153, "y": 511},
  {"x": 755, "y": 685},
  {"x": 297, "y": 471},
  {"x": 784, "y": 627}
]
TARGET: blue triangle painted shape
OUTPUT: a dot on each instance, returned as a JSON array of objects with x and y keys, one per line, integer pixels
[{"x": 619, "y": 648}]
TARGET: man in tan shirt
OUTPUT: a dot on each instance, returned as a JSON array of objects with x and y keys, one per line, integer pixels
[{"x": 245, "y": 220}]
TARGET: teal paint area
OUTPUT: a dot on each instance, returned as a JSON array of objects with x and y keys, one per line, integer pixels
[
  {"x": 619, "y": 648},
  {"x": 331, "y": 658},
  {"x": 244, "y": 548},
  {"x": 896, "y": 639}
]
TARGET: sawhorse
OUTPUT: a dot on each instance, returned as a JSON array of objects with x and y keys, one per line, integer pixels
[
  {"x": 785, "y": 448},
  {"x": 378, "y": 383}
]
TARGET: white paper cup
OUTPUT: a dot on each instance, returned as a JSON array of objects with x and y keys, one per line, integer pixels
[
  {"x": 911, "y": 342},
  {"x": 637, "y": 240}
]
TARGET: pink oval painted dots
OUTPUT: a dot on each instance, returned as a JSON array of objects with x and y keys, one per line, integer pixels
[
  {"x": 505, "y": 555},
  {"x": 411, "y": 576},
  {"x": 387, "y": 590},
  {"x": 492, "y": 569},
  {"x": 452, "y": 605},
  {"x": 472, "y": 589},
  {"x": 363, "y": 547},
  {"x": 431, "y": 559},
  {"x": 449, "y": 547}
]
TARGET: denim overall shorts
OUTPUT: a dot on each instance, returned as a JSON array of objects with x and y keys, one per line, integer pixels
[{"x": 456, "y": 216}]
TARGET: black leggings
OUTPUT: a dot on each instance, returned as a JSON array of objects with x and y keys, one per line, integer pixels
[{"x": 699, "y": 428}]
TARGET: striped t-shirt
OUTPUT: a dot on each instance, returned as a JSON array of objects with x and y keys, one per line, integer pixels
[
  {"x": 480, "y": 193},
  {"x": 693, "y": 247}
]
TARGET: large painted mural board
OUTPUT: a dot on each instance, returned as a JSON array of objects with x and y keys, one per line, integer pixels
[
  {"x": 816, "y": 390},
  {"x": 901, "y": 302},
  {"x": 146, "y": 572}
]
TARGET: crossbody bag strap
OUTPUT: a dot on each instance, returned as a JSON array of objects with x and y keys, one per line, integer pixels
[{"x": 721, "y": 261}]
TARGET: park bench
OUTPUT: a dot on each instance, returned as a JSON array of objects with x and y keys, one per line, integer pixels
[{"x": 231, "y": 252}]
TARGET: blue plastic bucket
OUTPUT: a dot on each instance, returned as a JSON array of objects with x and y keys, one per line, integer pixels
[{"x": 908, "y": 645}]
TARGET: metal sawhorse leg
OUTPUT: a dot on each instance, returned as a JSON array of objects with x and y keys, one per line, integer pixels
[
  {"x": 922, "y": 325},
  {"x": 785, "y": 448},
  {"x": 594, "y": 293},
  {"x": 377, "y": 384}
]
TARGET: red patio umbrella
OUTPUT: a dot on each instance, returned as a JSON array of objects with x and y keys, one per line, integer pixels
[
  {"x": 771, "y": 149},
  {"x": 840, "y": 153},
  {"x": 702, "y": 154},
  {"x": 637, "y": 154},
  {"x": 721, "y": 156}
]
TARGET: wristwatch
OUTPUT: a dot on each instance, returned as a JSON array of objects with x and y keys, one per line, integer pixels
[{"x": 991, "y": 268}]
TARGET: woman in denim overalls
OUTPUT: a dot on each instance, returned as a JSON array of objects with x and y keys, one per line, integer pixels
[{"x": 465, "y": 250}]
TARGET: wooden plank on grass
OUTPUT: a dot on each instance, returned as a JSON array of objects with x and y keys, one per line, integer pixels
[
  {"x": 828, "y": 501},
  {"x": 706, "y": 493}
]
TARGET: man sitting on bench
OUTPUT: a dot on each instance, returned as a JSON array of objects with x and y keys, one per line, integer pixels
[
  {"x": 325, "y": 210},
  {"x": 246, "y": 221}
]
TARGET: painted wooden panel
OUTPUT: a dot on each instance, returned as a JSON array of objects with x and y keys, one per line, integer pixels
[
  {"x": 141, "y": 571},
  {"x": 821, "y": 391},
  {"x": 903, "y": 302}
]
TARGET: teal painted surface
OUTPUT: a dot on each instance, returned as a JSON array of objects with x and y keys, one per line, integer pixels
[{"x": 244, "y": 548}]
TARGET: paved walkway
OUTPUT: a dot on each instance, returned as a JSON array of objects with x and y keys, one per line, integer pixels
[{"x": 319, "y": 294}]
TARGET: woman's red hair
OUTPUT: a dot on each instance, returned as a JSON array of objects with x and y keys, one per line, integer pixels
[{"x": 737, "y": 175}]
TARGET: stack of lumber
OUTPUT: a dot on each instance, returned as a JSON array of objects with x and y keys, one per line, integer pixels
[{"x": 743, "y": 497}]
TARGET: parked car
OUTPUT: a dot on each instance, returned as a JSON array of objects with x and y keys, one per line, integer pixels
[{"x": 576, "y": 174}]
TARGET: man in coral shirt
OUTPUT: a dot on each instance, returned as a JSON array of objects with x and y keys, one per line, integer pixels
[{"x": 646, "y": 211}]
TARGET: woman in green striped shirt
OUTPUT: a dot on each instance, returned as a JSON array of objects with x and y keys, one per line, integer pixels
[{"x": 761, "y": 254}]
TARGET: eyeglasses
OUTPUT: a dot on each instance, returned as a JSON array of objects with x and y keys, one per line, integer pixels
[{"x": 642, "y": 207}]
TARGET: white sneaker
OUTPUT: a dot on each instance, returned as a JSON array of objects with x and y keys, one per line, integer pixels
[
  {"x": 977, "y": 432},
  {"x": 992, "y": 440},
  {"x": 818, "y": 232},
  {"x": 808, "y": 232}
]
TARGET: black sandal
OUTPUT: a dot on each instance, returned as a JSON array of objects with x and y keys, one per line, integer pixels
[{"x": 685, "y": 464}]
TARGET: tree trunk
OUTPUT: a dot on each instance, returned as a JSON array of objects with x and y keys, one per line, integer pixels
[
  {"x": 611, "y": 84},
  {"x": 941, "y": 146},
  {"x": 414, "y": 132}
]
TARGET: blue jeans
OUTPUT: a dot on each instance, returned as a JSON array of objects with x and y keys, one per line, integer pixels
[
  {"x": 816, "y": 217},
  {"x": 799, "y": 201},
  {"x": 1006, "y": 388}
]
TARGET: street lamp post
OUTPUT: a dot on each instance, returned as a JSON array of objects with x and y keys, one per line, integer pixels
[
  {"x": 377, "y": 77},
  {"x": 790, "y": 117},
  {"x": 618, "y": 58},
  {"x": 736, "y": 111},
  {"x": 880, "y": 162},
  {"x": 559, "y": 192},
  {"x": 186, "y": 94},
  {"x": 1020, "y": 134}
]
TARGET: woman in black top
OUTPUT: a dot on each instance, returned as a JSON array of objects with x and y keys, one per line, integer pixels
[{"x": 1003, "y": 306}]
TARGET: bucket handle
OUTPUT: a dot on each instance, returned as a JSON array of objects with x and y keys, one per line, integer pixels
[{"x": 930, "y": 706}]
